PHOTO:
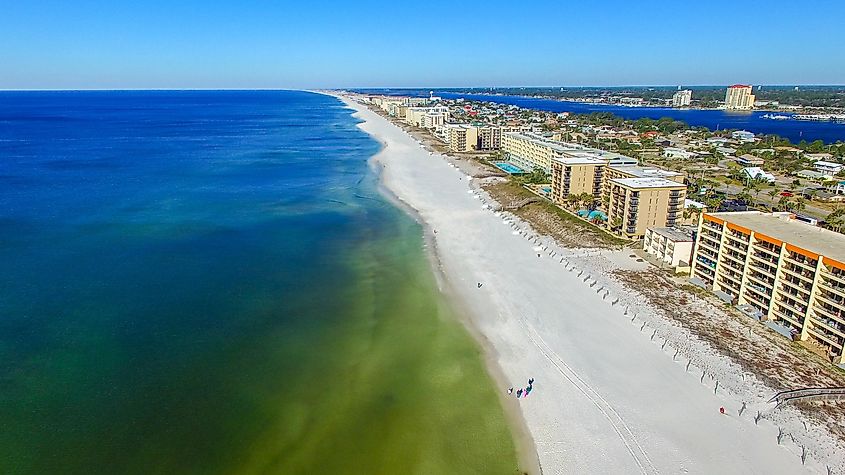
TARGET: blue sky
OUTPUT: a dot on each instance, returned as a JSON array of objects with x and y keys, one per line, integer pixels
[{"x": 368, "y": 43}]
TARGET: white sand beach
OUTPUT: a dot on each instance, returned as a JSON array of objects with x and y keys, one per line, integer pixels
[{"x": 618, "y": 389}]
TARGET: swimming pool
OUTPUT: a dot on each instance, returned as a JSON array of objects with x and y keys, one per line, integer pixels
[{"x": 509, "y": 168}]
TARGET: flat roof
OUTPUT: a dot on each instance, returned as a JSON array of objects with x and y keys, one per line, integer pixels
[
  {"x": 643, "y": 172},
  {"x": 643, "y": 183},
  {"x": 674, "y": 234},
  {"x": 579, "y": 160},
  {"x": 812, "y": 238}
]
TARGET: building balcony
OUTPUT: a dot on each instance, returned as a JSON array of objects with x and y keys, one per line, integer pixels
[
  {"x": 767, "y": 247},
  {"x": 831, "y": 313},
  {"x": 765, "y": 259},
  {"x": 835, "y": 276},
  {"x": 834, "y": 289},
  {"x": 785, "y": 315},
  {"x": 787, "y": 302},
  {"x": 822, "y": 334},
  {"x": 765, "y": 284},
  {"x": 758, "y": 299},
  {"x": 803, "y": 263},
  {"x": 804, "y": 275}
]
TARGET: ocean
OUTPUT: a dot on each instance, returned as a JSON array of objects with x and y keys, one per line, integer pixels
[
  {"x": 794, "y": 130},
  {"x": 210, "y": 282}
]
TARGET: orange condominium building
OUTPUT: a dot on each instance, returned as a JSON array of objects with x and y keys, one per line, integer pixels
[{"x": 791, "y": 275}]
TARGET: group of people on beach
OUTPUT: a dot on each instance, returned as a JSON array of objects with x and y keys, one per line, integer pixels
[{"x": 523, "y": 392}]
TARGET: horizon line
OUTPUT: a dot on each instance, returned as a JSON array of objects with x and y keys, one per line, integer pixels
[{"x": 117, "y": 89}]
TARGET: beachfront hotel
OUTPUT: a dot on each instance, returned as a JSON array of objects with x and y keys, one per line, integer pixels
[
  {"x": 576, "y": 175},
  {"x": 637, "y": 204},
  {"x": 789, "y": 274},
  {"x": 739, "y": 97}
]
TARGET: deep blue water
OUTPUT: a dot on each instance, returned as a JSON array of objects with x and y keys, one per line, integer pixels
[
  {"x": 793, "y": 130},
  {"x": 210, "y": 282}
]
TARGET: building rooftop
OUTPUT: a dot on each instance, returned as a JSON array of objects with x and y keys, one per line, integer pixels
[
  {"x": 674, "y": 234},
  {"x": 579, "y": 159},
  {"x": 644, "y": 183},
  {"x": 782, "y": 227},
  {"x": 643, "y": 172}
]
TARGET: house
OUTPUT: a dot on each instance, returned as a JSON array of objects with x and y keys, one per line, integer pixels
[
  {"x": 828, "y": 168},
  {"x": 818, "y": 156},
  {"x": 750, "y": 160},
  {"x": 838, "y": 188},
  {"x": 757, "y": 173},
  {"x": 718, "y": 141},
  {"x": 726, "y": 150},
  {"x": 743, "y": 136},
  {"x": 678, "y": 153},
  {"x": 812, "y": 175}
]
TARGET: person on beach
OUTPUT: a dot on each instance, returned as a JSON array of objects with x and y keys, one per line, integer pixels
[
  {"x": 530, "y": 381},
  {"x": 519, "y": 393},
  {"x": 721, "y": 410},
  {"x": 510, "y": 391}
]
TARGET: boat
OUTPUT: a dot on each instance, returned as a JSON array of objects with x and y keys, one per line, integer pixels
[
  {"x": 776, "y": 116},
  {"x": 821, "y": 117}
]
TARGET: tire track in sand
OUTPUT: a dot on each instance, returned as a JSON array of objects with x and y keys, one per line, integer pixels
[{"x": 616, "y": 421}]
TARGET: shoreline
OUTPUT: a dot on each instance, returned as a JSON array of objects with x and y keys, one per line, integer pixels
[
  {"x": 607, "y": 399},
  {"x": 526, "y": 450}
]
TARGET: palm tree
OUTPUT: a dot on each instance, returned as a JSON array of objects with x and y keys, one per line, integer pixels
[
  {"x": 800, "y": 203},
  {"x": 836, "y": 219}
]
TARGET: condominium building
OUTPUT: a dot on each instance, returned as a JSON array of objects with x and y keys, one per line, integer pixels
[
  {"x": 790, "y": 273},
  {"x": 461, "y": 137},
  {"x": 682, "y": 98},
  {"x": 632, "y": 171},
  {"x": 530, "y": 151},
  {"x": 572, "y": 175},
  {"x": 739, "y": 97},
  {"x": 637, "y": 204},
  {"x": 427, "y": 117},
  {"x": 490, "y": 137}
]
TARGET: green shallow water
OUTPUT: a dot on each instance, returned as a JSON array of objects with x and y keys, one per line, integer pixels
[{"x": 234, "y": 298}]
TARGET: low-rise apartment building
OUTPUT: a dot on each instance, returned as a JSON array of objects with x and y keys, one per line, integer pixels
[
  {"x": 637, "y": 204},
  {"x": 791, "y": 273},
  {"x": 670, "y": 246}
]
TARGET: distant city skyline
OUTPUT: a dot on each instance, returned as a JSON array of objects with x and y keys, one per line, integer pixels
[{"x": 202, "y": 45}]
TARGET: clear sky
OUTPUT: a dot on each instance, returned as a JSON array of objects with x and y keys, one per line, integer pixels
[{"x": 371, "y": 43}]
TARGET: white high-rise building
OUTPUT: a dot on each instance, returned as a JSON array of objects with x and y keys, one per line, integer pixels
[
  {"x": 739, "y": 97},
  {"x": 682, "y": 98}
]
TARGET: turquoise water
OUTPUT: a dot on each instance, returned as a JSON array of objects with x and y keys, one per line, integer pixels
[
  {"x": 509, "y": 168},
  {"x": 208, "y": 282}
]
